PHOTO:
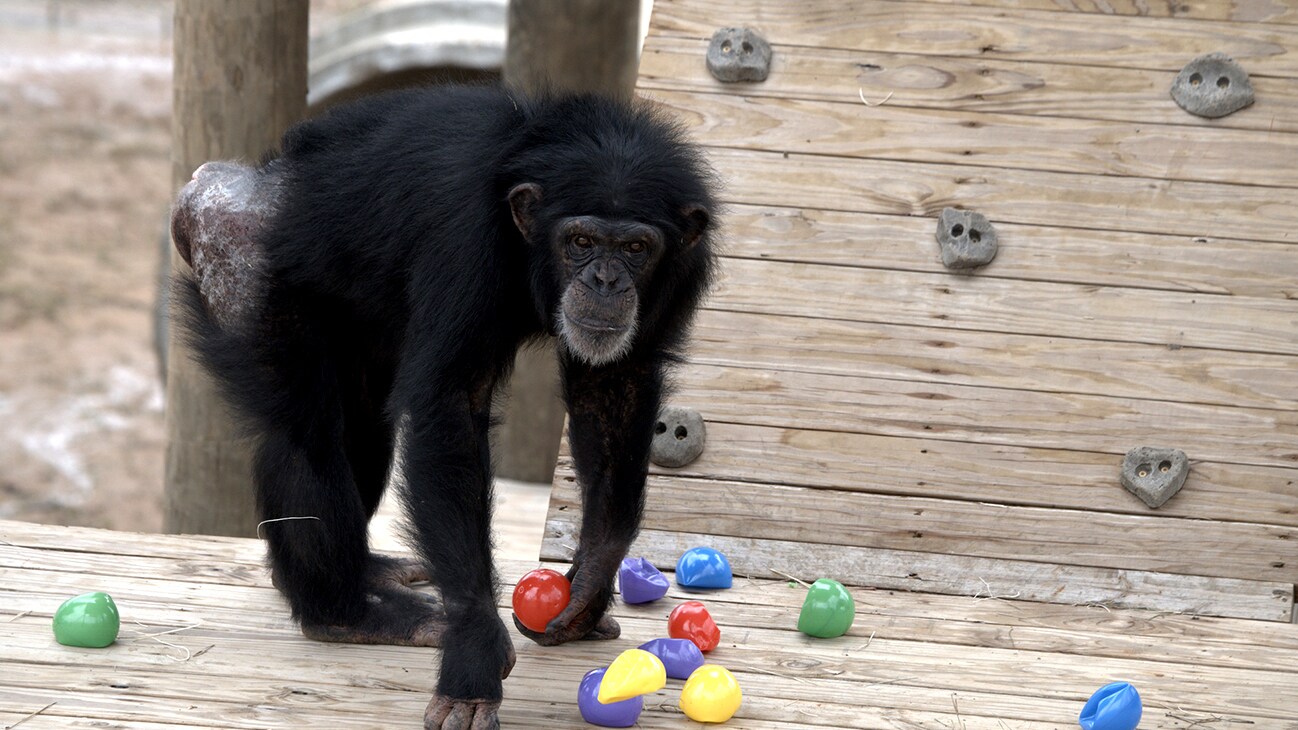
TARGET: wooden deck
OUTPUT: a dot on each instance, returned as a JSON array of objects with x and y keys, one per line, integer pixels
[
  {"x": 234, "y": 660},
  {"x": 947, "y": 445}
]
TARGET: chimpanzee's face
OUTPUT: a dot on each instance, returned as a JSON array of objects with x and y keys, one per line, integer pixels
[{"x": 605, "y": 265}]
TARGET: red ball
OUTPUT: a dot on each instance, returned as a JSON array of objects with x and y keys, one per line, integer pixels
[
  {"x": 691, "y": 620},
  {"x": 540, "y": 596}
]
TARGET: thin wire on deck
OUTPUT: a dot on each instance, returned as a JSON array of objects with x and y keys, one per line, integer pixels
[
  {"x": 861, "y": 93},
  {"x": 284, "y": 519},
  {"x": 21, "y": 720},
  {"x": 188, "y": 655},
  {"x": 991, "y": 594},
  {"x": 799, "y": 581},
  {"x": 15, "y": 617}
]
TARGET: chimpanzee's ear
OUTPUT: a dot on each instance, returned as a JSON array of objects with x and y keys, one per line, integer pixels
[
  {"x": 523, "y": 200},
  {"x": 697, "y": 220}
]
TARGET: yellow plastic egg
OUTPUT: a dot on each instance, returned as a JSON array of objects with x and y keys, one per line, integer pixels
[
  {"x": 711, "y": 694},
  {"x": 635, "y": 672}
]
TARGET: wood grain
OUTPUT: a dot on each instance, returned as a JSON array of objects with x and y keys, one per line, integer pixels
[
  {"x": 1005, "y": 661},
  {"x": 1016, "y": 196},
  {"x": 1027, "y": 35},
  {"x": 1241, "y": 11},
  {"x": 1199, "y": 264},
  {"x": 1011, "y": 475},
  {"x": 988, "y": 416},
  {"x": 849, "y": 129},
  {"x": 1020, "y": 362},
  {"x": 964, "y": 84},
  {"x": 1170, "y": 319},
  {"x": 865, "y": 519},
  {"x": 957, "y": 574}
]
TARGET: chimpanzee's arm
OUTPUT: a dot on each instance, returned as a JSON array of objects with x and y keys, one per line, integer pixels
[
  {"x": 611, "y": 414},
  {"x": 446, "y": 468}
]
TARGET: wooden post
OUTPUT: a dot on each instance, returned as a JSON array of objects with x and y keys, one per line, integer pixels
[
  {"x": 560, "y": 45},
  {"x": 239, "y": 80}
]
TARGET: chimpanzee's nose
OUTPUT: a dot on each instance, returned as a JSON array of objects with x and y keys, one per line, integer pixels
[{"x": 607, "y": 277}]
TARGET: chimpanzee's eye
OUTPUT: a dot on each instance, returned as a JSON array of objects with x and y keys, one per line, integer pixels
[
  {"x": 581, "y": 241},
  {"x": 635, "y": 247}
]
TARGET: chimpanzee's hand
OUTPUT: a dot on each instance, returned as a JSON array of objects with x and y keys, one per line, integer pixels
[{"x": 592, "y": 591}]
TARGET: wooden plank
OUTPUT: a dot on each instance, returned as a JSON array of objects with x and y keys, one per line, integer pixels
[
  {"x": 1085, "y": 312},
  {"x": 918, "y": 676},
  {"x": 1051, "y": 364},
  {"x": 32, "y": 588},
  {"x": 988, "y": 415},
  {"x": 1092, "y": 147},
  {"x": 824, "y": 670},
  {"x": 1241, "y": 11},
  {"x": 958, "y": 575},
  {"x": 982, "y": 473},
  {"x": 1197, "y": 264},
  {"x": 1024, "y": 35},
  {"x": 964, "y": 84},
  {"x": 358, "y": 708},
  {"x": 1014, "y": 624},
  {"x": 1016, "y": 196},
  {"x": 860, "y": 518},
  {"x": 58, "y": 721},
  {"x": 1163, "y": 636}
]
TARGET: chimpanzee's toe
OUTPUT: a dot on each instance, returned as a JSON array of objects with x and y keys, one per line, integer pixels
[{"x": 446, "y": 713}]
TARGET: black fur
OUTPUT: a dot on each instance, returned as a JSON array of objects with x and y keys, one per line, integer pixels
[{"x": 398, "y": 287}]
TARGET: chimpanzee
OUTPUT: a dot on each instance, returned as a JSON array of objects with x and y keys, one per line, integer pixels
[{"x": 383, "y": 269}]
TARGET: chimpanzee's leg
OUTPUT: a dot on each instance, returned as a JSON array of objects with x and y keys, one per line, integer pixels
[
  {"x": 322, "y": 563},
  {"x": 323, "y": 449},
  {"x": 368, "y": 435}
]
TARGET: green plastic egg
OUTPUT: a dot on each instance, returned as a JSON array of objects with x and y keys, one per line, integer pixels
[
  {"x": 90, "y": 620},
  {"x": 828, "y": 610}
]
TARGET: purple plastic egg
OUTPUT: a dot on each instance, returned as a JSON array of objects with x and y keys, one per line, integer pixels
[
  {"x": 614, "y": 714},
  {"x": 680, "y": 656},
  {"x": 640, "y": 581}
]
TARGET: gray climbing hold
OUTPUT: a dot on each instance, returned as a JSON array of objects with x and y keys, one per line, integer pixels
[
  {"x": 739, "y": 54},
  {"x": 678, "y": 437},
  {"x": 1212, "y": 86},
  {"x": 1154, "y": 474},
  {"x": 967, "y": 239}
]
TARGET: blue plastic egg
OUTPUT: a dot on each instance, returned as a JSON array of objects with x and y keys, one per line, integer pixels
[
  {"x": 1113, "y": 707},
  {"x": 703, "y": 567}
]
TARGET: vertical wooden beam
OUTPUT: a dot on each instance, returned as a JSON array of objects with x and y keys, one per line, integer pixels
[
  {"x": 561, "y": 46},
  {"x": 239, "y": 80}
]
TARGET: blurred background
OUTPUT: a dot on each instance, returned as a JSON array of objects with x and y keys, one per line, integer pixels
[{"x": 85, "y": 114}]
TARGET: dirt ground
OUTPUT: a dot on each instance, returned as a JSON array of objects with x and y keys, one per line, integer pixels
[{"x": 85, "y": 108}]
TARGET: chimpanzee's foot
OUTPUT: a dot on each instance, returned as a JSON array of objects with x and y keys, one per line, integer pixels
[
  {"x": 396, "y": 614},
  {"x": 445, "y": 713},
  {"x": 398, "y": 570}
]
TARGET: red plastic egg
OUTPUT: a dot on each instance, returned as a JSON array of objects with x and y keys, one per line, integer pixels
[
  {"x": 691, "y": 620},
  {"x": 540, "y": 596}
]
